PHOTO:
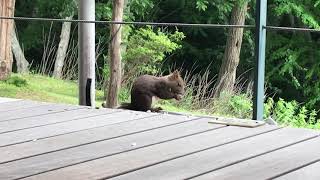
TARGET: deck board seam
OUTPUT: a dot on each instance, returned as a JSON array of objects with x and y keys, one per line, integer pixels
[
  {"x": 252, "y": 157},
  {"x": 191, "y": 153},
  {"x": 15, "y": 100},
  {"x": 294, "y": 169},
  {"x": 22, "y": 108},
  {"x": 141, "y": 147},
  {"x": 67, "y": 120},
  {"x": 106, "y": 139},
  {"x": 11, "y": 99},
  {"x": 14, "y": 109},
  {"x": 38, "y": 115},
  {"x": 60, "y": 111},
  {"x": 78, "y": 130}
]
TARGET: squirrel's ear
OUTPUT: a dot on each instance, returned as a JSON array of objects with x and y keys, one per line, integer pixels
[{"x": 176, "y": 74}]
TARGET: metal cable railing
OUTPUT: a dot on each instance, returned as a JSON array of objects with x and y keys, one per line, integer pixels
[
  {"x": 275, "y": 28},
  {"x": 131, "y": 23}
]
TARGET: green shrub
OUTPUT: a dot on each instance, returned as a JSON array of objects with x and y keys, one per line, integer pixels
[
  {"x": 146, "y": 50},
  {"x": 234, "y": 105},
  {"x": 291, "y": 114},
  {"x": 241, "y": 105},
  {"x": 17, "y": 81}
]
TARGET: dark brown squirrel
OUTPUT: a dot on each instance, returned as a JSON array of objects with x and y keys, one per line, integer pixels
[{"x": 146, "y": 87}]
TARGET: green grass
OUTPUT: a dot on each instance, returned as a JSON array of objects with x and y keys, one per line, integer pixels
[
  {"x": 48, "y": 89},
  {"x": 42, "y": 88}
]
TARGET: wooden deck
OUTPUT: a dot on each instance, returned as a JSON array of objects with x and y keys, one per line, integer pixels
[{"x": 56, "y": 141}]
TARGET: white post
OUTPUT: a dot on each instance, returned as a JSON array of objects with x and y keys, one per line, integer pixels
[{"x": 87, "y": 53}]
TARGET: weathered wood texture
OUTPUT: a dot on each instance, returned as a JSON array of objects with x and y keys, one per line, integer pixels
[
  {"x": 4, "y": 100},
  {"x": 6, "y": 10},
  {"x": 52, "y": 118},
  {"x": 78, "y": 154},
  {"x": 310, "y": 172},
  {"x": 35, "y": 111},
  {"x": 115, "y": 54},
  {"x": 7, "y": 104},
  {"x": 223, "y": 156},
  {"x": 271, "y": 164},
  {"x": 84, "y": 143},
  {"x": 66, "y": 127},
  {"x": 132, "y": 160},
  {"x": 88, "y": 136}
]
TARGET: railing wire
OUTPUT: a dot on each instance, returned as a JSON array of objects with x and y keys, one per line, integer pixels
[
  {"x": 277, "y": 28},
  {"x": 130, "y": 23}
]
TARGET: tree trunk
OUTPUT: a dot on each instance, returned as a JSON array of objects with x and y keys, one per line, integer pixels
[
  {"x": 125, "y": 31},
  {"x": 115, "y": 55},
  {"x": 6, "y": 9},
  {"x": 62, "y": 48},
  {"x": 22, "y": 63},
  {"x": 227, "y": 73}
]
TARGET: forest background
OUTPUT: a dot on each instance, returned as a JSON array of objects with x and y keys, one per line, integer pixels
[{"x": 217, "y": 63}]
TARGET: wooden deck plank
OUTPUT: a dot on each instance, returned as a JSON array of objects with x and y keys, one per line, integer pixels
[
  {"x": 271, "y": 164},
  {"x": 36, "y": 111},
  {"x": 67, "y": 157},
  {"x": 36, "y": 133},
  {"x": 24, "y": 123},
  {"x": 310, "y": 172},
  {"x": 55, "y": 143},
  {"x": 18, "y": 104},
  {"x": 4, "y": 99},
  {"x": 216, "y": 158},
  {"x": 131, "y": 160}
]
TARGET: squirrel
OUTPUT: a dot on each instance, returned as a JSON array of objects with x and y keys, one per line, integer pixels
[{"x": 146, "y": 87}]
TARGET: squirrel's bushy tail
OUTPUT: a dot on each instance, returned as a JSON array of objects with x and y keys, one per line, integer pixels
[
  {"x": 126, "y": 106},
  {"x": 122, "y": 106}
]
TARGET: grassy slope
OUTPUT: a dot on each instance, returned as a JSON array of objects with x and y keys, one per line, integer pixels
[
  {"x": 42, "y": 88},
  {"x": 48, "y": 89}
]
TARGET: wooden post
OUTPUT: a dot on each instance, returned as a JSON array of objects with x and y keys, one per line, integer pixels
[
  {"x": 115, "y": 55},
  {"x": 6, "y": 28},
  {"x": 260, "y": 46},
  {"x": 87, "y": 53}
]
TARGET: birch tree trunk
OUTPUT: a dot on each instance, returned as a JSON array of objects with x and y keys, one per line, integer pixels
[
  {"x": 6, "y": 9},
  {"x": 227, "y": 72},
  {"x": 115, "y": 55},
  {"x": 22, "y": 63},
  {"x": 62, "y": 48}
]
